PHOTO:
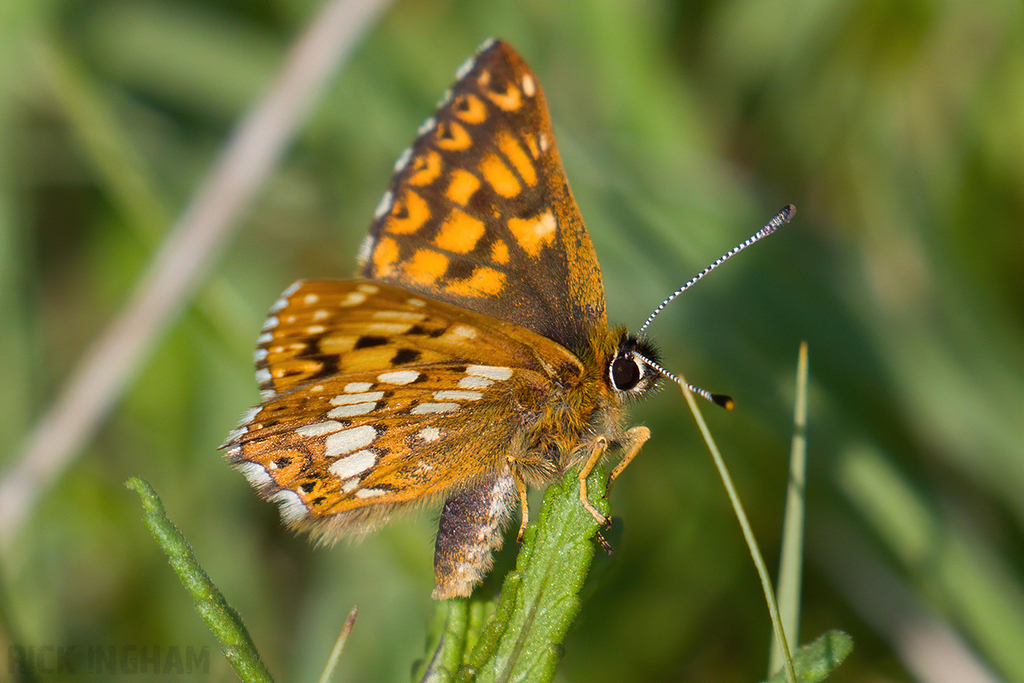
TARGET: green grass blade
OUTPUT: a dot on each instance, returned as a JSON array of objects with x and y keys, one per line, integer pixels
[
  {"x": 220, "y": 617},
  {"x": 791, "y": 562},
  {"x": 748, "y": 533},
  {"x": 339, "y": 645}
]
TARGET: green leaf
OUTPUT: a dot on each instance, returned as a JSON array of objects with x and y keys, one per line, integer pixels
[
  {"x": 517, "y": 636},
  {"x": 818, "y": 659},
  {"x": 220, "y": 617},
  {"x": 540, "y": 599}
]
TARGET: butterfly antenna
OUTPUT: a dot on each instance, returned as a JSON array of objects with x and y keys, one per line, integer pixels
[
  {"x": 780, "y": 219},
  {"x": 718, "y": 399}
]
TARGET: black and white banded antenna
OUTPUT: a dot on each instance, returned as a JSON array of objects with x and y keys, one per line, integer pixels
[{"x": 780, "y": 219}]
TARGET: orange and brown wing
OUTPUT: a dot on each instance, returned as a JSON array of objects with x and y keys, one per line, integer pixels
[
  {"x": 479, "y": 211},
  {"x": 375, "y": 397}
]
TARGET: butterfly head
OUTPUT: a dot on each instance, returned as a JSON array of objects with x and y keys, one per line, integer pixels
[{"x": 630, "y": 372}]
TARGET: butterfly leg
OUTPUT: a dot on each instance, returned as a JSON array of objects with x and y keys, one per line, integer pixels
[
  {"x": 600, "y": 447},
  {"x": 631, "y": 442},
  {"x": 524, "y": 507}
]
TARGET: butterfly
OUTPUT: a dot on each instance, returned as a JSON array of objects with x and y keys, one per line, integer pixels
[{"x": 471, "y": 360}]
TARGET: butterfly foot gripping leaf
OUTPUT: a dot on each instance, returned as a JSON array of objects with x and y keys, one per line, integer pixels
[{"x": 472, "y": 360}]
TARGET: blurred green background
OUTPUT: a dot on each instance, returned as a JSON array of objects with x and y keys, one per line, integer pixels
[{"x": 897, "y": 129}]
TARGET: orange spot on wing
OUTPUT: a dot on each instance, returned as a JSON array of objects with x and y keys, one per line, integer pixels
[
  {"x": 517, "y": 155},
  {"x": 384, "y": 256},
  {"x": 336, "y": 344},
  {"x": 459, "y": 233},
  {"x": 282, "y": 352},
  {"x": 426, "y": 266},
  {"x": 510, "y": 100},
  {"x": 533, "y": 146},
  {"x": 290, "y": 372},
  {"x": 469, "y": 108},
  {"x": 425, "y": 168},
  {"x": 452, "y": 137},
  {"x": 499, "y": 176},
  {"x": 369, "y": 359},
  {"x": 484, "y": 281},
  {"x": 408, "y": 214},
  {"x": 533, "y": 234},
  {"x": 499, "y": 252},
  {"x": 462, "y": 186}
]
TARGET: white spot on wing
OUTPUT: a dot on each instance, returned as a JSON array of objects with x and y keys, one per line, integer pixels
[
  {"x": 349, "y": 440},
  {"x": 292, "y": 507},
  {"x": 384, "y": 205},
  {"x": 429, "y": 434},
  {"x": 399, "y": 377},
  {"x": 425, "y": 408},
  {"x": 489, "y": 371},
  {"x": 529, "y": 87},
  {"x": 451, "y": 395},
  {"x": 365, "y": 249},
  {"x": 367, "y": 288},
  {"x": 348, "y": 399},
  {"x": 270, "y": 323},
  {"x": 265, "y": 338},
  {"x": 369, "y": 493},
  {"x": 256, "y": 473},
  {"x": 354, "y": 464},
  {"x": 418, "y": 303},
  {"x": 388, "y": 328},
  {"x": 350, "y": 484},
  {"x": 545, "y": 226},
  {"x": 353, "y": 299},
  {"x": 426, "y": 126},
  {"x": 310, "y": 299},
  {"x": 403, "y": 159},
  {"x": 357, "y": 387},
  {"x": 278, "y": 305},
  {"x": 235, "y": 434},
  {"x": 464, "y": 331},
  {"x": 249, "y": 415},
  {"x": 263, "y": 376},
  {"x": 352, "y": 410},
  {"x": 259, "y": 355},
  {"x": 474, "y": 382},
  {"x": 315, "y": 329},
  {"x": 465, "y": 68},
  {"x": 398, "y": 316},
  {"x": 320, "y": 428},
  {"x": 292, "y": 288}
]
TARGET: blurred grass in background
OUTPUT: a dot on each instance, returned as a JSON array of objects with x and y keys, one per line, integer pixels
[{"x": 895, "y": 128}]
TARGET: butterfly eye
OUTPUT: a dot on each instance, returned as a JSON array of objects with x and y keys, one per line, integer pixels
[{"x": 625, "y": 372}]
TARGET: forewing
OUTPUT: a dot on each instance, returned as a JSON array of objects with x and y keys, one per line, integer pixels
[{"x": 479, "y": 211}]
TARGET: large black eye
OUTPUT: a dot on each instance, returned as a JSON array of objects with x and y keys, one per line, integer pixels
[{"x": 625, "y": 372}]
